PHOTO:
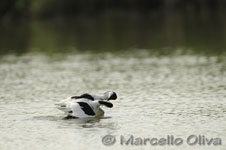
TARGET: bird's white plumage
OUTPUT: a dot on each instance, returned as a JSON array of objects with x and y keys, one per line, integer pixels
[
  {"x": 86, "y": 105},
  {"x": 72, "y": 108}
]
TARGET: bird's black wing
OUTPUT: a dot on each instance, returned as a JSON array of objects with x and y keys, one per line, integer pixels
[
  {"x": 86, "y": 95},
  {"x": 106, "y": 103},
  {"x": 86, "y": 108}
]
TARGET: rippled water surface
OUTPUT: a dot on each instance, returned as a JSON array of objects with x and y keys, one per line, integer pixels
[{"x": 177, "y": 95}]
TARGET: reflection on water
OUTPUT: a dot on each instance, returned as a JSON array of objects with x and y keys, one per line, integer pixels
[
  {"x": 84, "y": 123},
  {"x": 162, "y": 32}
]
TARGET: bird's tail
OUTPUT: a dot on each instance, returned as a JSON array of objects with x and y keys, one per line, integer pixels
[{"x": 64, "y": 106}]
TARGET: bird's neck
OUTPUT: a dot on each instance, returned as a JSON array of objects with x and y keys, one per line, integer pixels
[{"x": 104, "y": 97}]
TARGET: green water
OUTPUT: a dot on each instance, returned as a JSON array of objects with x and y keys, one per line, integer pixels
[
  {"x": 161, "y": 33},
  {"x": 169, "y": 74}
]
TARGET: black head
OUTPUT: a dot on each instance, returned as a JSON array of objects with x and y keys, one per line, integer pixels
[{"x": 110, "y": 95}]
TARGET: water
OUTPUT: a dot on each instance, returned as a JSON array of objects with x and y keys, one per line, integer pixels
[
  {"x": 202, "y": 32},
  {"x": 173, "y": 89},
  {"x": 178, "y": 95}
]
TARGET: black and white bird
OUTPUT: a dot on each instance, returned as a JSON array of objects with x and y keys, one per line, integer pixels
[{"x": 86, "y": 105}]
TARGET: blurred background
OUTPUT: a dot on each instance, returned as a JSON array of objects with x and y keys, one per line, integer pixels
[
  {"x": 166, "y": 60},
  {"x": 161, "y": 26}
]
